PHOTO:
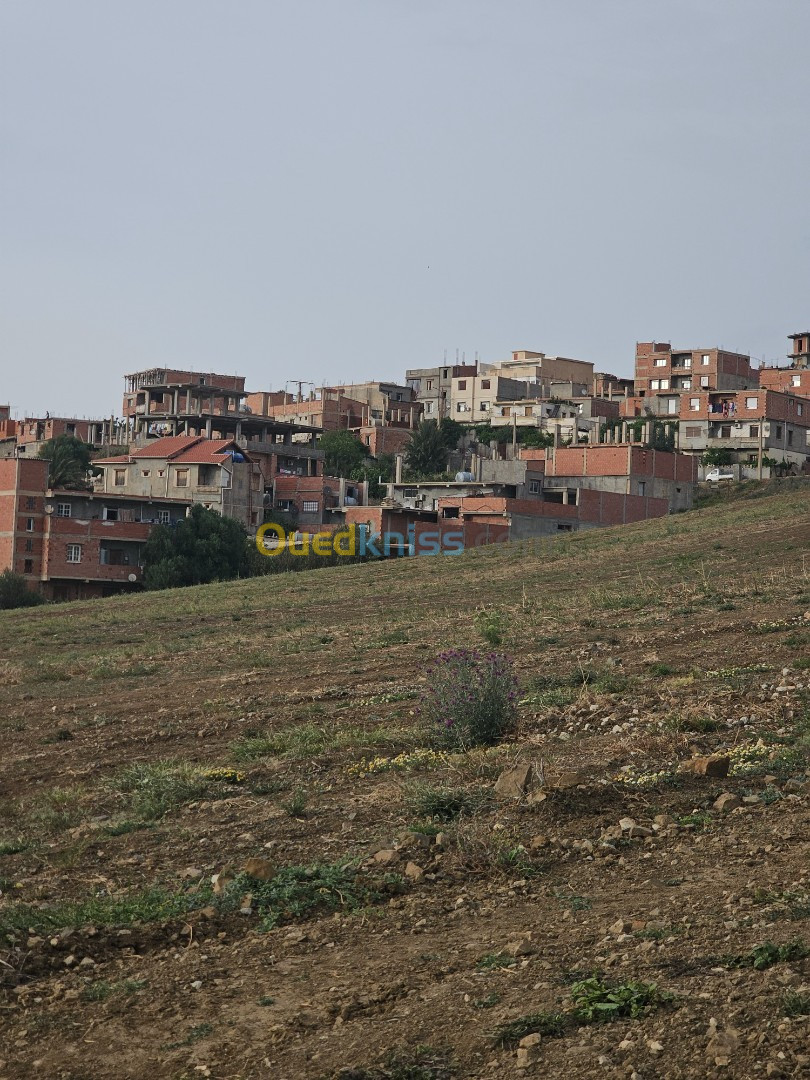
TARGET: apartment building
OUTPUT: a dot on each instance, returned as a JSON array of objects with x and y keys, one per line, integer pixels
[
  {"x": 795, "y": 378},
  {"x": 69, "y": 544},
  {"x": 473, "y": 397},
  {"x": 749, "y": 424},
  {"x": 537, "y": 367},
  {"x": 432, "y": 387},
  {"x": 661, "y": 369},
  {"x": 327, "y": 408},
  {"x": 189, "y": 469}
]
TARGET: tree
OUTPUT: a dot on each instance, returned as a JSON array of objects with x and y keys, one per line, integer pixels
[
  {"x": 718, "y": 456},
  {"x": 14, "y": 592},
  {"x": 342, "y": 452},
  {"x": 426, "y": 453},
  {"x": 535, "y": 439},
  {"x": 69, "y": 459},
  {"x": 203, "y": 547},
  {"x": 452, "y": 432}
]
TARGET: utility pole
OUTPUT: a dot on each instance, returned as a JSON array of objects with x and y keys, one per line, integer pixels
[{"x": 761, "y": 445}]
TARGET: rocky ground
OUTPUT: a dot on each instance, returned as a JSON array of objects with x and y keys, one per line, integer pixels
[{"x": 227, "y": 850}]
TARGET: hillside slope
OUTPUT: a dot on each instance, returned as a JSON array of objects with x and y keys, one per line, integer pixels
[{"x": 153, "y": 741}]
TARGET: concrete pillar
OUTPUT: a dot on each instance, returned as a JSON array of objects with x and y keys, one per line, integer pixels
[
  {"x": 342, "y": 492},
  {"x": 398, "y": 469}
]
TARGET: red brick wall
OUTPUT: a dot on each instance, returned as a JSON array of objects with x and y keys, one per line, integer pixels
[
  {"x": 385, "y": 440},
  {"x": 89, "y": 534},
  {"x": 21, "y": 480}
]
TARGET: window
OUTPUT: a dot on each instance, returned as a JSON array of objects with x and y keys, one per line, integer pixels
[
  {"x": 751, "y": 402},
  {"x": 694, "y": 404},
  {"x": 311, "y": 506},
  {"x": 672, "y": 405},
  {"x": 444, "y": 373},
  {"x": 462, "y": 407},
  {"x": 686, "y": 384},
  {"x": 661, "y": 362},
  {"x": 29, "y": 545},
  {"x": 161, "y": 472},
  {"x": 485, "y": 384},
  {"x": 64, "y": 510},
  {"x": 163, "y": 517},
  {"x": 705, "y": 359},
  {"x": 73, "y": 553},
  {"x": 655, "y": 384},
  {"x": 31, "y": 503},
  {"x": 114, "y": 556},
  {"x": 687, "y": 362},
  {"x": 642, "y": 487},
  {"x": 483, "y": 406},
  {"x": 790, "y": 436},
  {"x": 29, "y": 524},
  {"x": 120, "y": 477},
  {"x": 693, "y": 431},
  {"x": 725, "y": 431},
  {"x": 534, "y": 487},
  {"x": 109, "y": 513},
  {"x": 778, "y": 431},
  {"x": 28, "y": 566},
  {"x": 70, "y": 429},
  {"x": 145, "y": 472},
  {"x": 181, "y": 478},
  {"x": 462, "y": 384},
  {"x": 704, "y": 380},
  {"x": 284, "y": 504},
  {"x": 799, "y": 408},
  {"x": 428, "y": 407},
  {"x": 564, "y": 526},
  {"x": 429, "y": 384},
  {"x": 665, "y": 384},
  {"x": 753, "y": 431},
  {"x": 795, "y": 380}
]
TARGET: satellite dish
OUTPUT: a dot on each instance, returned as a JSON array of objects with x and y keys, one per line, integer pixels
[
  {"x": 48, "y": 508},
  {"x": 132, "y": 577}
]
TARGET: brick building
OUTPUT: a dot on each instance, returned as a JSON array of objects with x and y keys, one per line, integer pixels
[
  {"x": 317, "y": 500},
  {"x": 74, "y": 544},
  {"x": 660, "y": 370},
  {"x": 794, "y": 379}
]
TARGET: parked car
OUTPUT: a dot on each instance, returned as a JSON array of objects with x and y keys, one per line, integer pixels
[{"x": 719, "y": 474}]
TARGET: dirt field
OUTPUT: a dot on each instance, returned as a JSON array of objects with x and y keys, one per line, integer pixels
[{"x": 401, "y": 921}]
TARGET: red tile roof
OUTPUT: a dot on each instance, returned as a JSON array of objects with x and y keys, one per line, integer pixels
[
  {"x": 209, "y": 450},
  {"x": 168, "y": 447},
  {"x": 193, "y": 448}
]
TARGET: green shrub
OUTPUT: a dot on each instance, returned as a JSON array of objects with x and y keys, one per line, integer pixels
[
  {"x": 15, "y": 593},
  {"x": 443, "y": 803},
  {"x": 595, "y": 999},
  {"x": 491, "y": 624},
  {"x": 470, "y": 699},
  {"x": 153, "y": 789},
  {"x": 298, "y": 891}
]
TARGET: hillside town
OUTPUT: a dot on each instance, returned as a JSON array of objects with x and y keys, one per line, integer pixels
[{"x": 536, "y": 445}]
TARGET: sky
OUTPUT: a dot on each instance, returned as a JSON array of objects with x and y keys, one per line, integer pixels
[{"x": 337, "y": 190}]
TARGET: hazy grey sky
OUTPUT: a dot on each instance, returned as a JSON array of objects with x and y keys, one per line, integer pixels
[{"x": 340, "y": 189}]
